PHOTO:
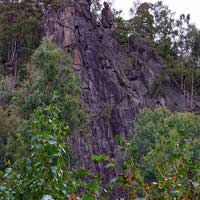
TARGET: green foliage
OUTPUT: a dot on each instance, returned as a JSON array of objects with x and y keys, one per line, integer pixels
[
  {"x": 154, "y": 128},
  {"x": 49, "y": 77},
  {"x": 156, "y": 23},
  {"x": 20, "y": 25},
  {"x": 5, "y": 93},
  {"x": 165, "y": 148},
  {"x": 154, "y": 27},
  {"x": 161, "y": 162},
  {"x": 20, "y": 33},
  {"x": 194, "y": 35},
  {"x": 49, "y": 72},
  {"x": 8, "y": 124},
  {"x": 44, "y": 169},
  {"x": 121, "y": 30},
  {"x": 142, "y": 22}
]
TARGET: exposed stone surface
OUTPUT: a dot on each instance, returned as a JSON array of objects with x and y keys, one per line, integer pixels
[
  {"x": 107, "y": 16},
  {"x": 115, "y": 82}
]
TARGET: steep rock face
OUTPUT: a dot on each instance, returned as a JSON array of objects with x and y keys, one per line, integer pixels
[{"x": 115, "y": 82}]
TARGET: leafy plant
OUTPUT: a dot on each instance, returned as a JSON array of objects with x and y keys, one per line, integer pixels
[
  {"x": 49, "y": 72},
  {"x": 44, "y": 170}
]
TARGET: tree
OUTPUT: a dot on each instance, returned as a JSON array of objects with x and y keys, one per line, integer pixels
[
  {"x": 142, "y": 21},
  {"x": 121, "y": 29},
  {"x": 96, "y": 8},
  {"x": 175, "y": 40},
  {"x": 162, "y": 141},
  {"x": 8, "y": 125},
  {"x": 20, "y": 25},
  {"x": 49, "y": 77},
  {"x": 165, "y": 31},
  {"x": 20, "y": 33},
  {"x": 194, "y": 35},
  {"x": 49, "y": 73},
  {"x": 44, "y": 170}
]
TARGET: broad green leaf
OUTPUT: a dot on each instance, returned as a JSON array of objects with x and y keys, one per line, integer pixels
[
  {"x": 110, "y": 165},
  {"x": 99, "y": 157},
  {"x": 87, "y": 197},
  {"x": 92, "y": 185},
  {"x": 81, "y": 171}
]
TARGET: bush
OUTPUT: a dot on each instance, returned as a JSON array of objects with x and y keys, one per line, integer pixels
[
  {"x": 165, "y": 147},
  {"x": 8, "y": 125},
  {"x": 44, "y": 170}
]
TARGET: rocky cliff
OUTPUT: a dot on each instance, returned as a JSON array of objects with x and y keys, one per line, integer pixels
[{"x": 115, "y": 81}]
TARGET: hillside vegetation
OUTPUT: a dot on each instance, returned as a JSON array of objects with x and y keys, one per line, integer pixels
[{"x": 41, "y": 109}]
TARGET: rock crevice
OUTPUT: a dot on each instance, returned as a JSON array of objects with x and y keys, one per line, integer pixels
[{"x": 114, "y": 83}]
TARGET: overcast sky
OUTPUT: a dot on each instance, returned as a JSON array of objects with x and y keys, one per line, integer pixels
[{"x": 179, "y": 6}]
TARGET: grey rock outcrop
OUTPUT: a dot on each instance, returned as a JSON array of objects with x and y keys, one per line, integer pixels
[
  {"x": 107, "y": 16},
  {"x": 115, "y": 82}
]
